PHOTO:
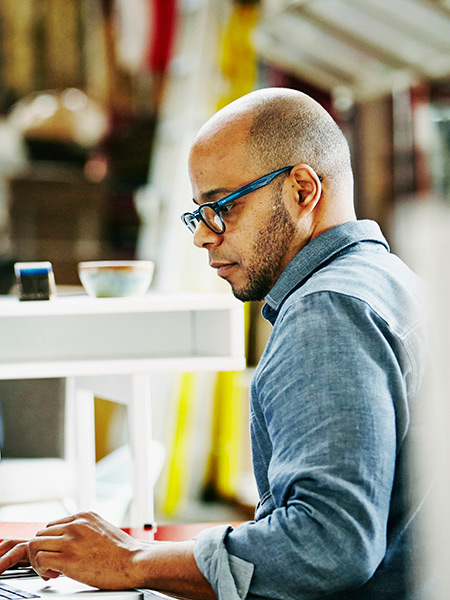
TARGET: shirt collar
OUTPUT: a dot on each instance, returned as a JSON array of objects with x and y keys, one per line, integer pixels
[{"x": 320, "y": 250}]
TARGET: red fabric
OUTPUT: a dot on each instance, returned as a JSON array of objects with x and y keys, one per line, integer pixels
[{"x": 164, "y": 24}]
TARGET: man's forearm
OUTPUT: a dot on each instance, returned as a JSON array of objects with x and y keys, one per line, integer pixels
[{"x": 170, "y": 567}]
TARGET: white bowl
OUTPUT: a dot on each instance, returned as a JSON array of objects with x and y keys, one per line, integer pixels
[{"x": 116, "y": 278}]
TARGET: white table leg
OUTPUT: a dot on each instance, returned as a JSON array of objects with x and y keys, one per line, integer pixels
[
  {"x": 134, "y": 391},
  {"x": 140, "y": 435},
  {"x": 82, "y": 409}
]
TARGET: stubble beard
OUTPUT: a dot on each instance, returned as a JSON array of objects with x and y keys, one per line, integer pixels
[{"x": 265, "y": 265}]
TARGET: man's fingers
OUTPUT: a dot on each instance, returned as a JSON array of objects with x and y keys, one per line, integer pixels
[
  {"x": 13, "y": 552},
  {"x": 46, "y": 555},
  {"x": 59, "y": 525},
  {"x": 8, "y": 544},
  {"x": 62, "y": 521},
  {"x": 47, "y": 564},
  {"x": 50, "y": 575},
  {"x": 49, "y": 544},
  {"x": 54, "y": 526},
  {"x": 51, "y": 530}
]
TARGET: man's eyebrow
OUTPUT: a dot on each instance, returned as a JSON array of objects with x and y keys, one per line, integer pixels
[{"x": 211, "y": 194}]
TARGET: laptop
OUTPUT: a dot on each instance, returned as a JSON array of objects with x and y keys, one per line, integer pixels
[{"x": 30, "y": 587}]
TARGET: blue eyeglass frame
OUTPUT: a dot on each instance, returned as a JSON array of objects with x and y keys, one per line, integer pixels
[{"x": 189, "y": 218}]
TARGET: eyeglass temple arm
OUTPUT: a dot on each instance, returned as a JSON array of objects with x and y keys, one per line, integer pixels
[{"x": 252, "y": 186}]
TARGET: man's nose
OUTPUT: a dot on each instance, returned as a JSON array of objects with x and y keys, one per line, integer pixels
[{"x": 203, "y": 236}]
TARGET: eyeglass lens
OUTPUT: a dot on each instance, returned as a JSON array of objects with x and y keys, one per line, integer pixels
[
  {"x": 190, "y": 222},
  {"x": 212, "y": 219}
]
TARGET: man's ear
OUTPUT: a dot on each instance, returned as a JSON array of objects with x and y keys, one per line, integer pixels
[{"x": 306, "y": 187}]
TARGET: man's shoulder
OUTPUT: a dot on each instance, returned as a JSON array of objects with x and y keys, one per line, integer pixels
[{"x": 377, "y": 279}]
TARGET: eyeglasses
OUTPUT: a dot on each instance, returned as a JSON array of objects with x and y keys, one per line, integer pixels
[{"x": 210, "y": 213}]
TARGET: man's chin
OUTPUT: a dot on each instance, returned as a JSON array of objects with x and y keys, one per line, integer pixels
[
  {"x": 247, "y": 295},
  {"x": 239, "y": 296},
  {"x": 238, "y": 292},
  {"x": 253, "y": 289}
]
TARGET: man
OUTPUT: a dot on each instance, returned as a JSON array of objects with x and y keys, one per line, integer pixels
[{"x": 331, "y": 399}]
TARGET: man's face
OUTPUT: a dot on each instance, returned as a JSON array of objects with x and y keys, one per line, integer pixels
[{"x": 254, "y": 250}]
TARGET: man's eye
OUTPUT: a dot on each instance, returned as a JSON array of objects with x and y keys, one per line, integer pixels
[{"x": 227, "y": 208}]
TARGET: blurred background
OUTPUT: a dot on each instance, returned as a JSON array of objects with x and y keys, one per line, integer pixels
[{"x": 99, "y": 102}]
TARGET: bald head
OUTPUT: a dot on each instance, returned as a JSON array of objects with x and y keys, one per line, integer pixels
[{"x": 283, "y": 127}]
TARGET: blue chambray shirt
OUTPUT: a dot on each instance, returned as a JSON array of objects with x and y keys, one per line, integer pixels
[{"x": 332, "y": 403}]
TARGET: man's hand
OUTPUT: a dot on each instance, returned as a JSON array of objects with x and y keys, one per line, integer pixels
[
  {"x": 87, "y": 548},
  {"x": 12, "y": 553}
]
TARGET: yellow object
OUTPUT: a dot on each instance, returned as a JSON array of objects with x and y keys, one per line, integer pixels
[
  {"x": 238, "y": 62},
  {"x": 230, "y": 402},
  {"x": 107, "y": 415},
  {"x": 225, "y": 457},
  {"x": 177, "y": 472}
]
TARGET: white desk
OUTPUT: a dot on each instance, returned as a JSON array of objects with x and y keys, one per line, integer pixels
[{"x": 109, "y": 348}]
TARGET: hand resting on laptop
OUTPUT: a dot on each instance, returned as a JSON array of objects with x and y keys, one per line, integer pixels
[{"x": 89, "y": 549}]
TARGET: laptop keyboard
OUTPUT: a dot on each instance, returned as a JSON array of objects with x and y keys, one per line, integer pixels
[{"x": 12, "y": 593}]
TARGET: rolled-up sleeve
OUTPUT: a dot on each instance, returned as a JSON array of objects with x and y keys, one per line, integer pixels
[{"x": 229, "y": 575}]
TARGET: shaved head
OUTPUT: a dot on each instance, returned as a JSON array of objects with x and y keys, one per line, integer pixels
[{"x": 285, "y": 127}]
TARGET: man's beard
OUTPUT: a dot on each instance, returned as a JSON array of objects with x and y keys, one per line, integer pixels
[{"x": 269, "y": 251}]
